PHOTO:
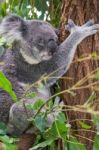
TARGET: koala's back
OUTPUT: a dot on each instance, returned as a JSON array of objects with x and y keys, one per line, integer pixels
[{"x": 10, "y": 72}]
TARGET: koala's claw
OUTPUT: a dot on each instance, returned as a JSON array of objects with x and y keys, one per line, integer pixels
[
  {"x": 90, "y": 30},
  {"x": 71, "y": 25},
  {"x": 89, "y": 23},
  {"x": 95, "y": 27}
]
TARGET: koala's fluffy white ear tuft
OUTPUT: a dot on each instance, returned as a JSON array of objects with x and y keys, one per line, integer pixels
[{"x": 11, "y": 28}]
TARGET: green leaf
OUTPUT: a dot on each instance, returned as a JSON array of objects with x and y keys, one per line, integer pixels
[
  {"x": 43, "y": 144},
  {"x": 97, "y": 75},
  {"x": 8, "y": 143},
  {"x": 96, "y": 143},
  {"x": 95, "y": 119},
  {"x": 57, "y": 130},
  {"x": 6, "y": 86},
  {"x": 38, "y": 138},
  {"x": 6, "y": 139},
  {"x": 38, "y": 104},
  {"x": 50, "y": 105},
  {"x": 53, "y": 146},
  {"x": 9, "y": 147},
  {"x": 84, "y": 125},
  {"x": 2, "y": 128},
  {"x": 60, "y": 128},
  {"x": 65, "y": 145},
  {"x": 61, "y": 117},
  {"x": 40, "y": 122},
  {"x": 2, "y": 41},
  {"x": 95, "y": 56},
  {"x": 31, "y": 95},
  {"x": 75, "y": 145}
]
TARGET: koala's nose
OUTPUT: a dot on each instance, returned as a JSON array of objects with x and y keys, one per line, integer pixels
[{"x": 52, "y": 46}]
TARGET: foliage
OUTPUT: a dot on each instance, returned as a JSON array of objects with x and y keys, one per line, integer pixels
[
  {"x": 5, "y": 84},
  {"x": 8, "y": 143},
  {"x": 45, "y": 9},
  {"x": 60, "y": 128}
]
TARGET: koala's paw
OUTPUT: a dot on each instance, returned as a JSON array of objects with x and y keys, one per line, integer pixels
[{"x": 89, "y": 28}]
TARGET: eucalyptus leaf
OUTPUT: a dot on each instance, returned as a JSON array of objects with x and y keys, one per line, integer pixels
[
  {"x": 97, "y": 75},
  {"x": 2, "y": 41},
  {"x": 57, "y": 130},
  {"x": 6, "y": 139},
  {"x": 9, "y": 147},
  {"x": 75, "y": 145},
  {"x": 40, "y": 122},
  {"x": 31, "y": 95},
  {"x": 38, "y": 104},
  {"x": 5, "y": 84},
  {"x": 96, "y": 143},
  {"x": 61, "y": 117},
  {"x": 84, "y": 125},
  {"x": 42, "y": 145},
  {"x": 2, "y": 128},
  {"x": 95, "y": 119}
]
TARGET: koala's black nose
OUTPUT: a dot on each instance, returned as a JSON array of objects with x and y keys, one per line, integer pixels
[{"x": 52, "y": 46}]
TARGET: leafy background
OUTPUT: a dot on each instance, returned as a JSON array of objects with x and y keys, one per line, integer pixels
[{"x": 60, "y": 129}]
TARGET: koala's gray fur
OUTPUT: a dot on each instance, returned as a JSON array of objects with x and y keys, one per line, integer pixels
[{"x": 35, "y": 52}]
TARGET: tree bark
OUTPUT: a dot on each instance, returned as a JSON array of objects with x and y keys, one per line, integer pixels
[{"x": 80, "y": 11}]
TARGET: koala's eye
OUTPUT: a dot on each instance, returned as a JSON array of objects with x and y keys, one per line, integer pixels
[{"x": 40, "y": 42}]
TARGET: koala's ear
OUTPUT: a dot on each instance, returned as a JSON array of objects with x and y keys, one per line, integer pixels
[{"x": 12, "y": 28}]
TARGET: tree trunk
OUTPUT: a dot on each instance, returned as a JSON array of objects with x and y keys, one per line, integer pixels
[{"x": 80, "y": 11}]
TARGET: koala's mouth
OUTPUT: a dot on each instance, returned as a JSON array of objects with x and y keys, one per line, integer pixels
[{"x": 46, "y": 57}]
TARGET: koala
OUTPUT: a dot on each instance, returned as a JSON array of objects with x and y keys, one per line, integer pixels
[{"x": 36, "y": 52}]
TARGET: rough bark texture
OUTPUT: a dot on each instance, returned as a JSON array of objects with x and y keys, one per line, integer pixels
[{"x": 80, "y": 11}]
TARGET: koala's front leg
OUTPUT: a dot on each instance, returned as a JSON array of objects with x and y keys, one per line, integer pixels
[
  {"x": 19, "y": 114},
  {"x": 63, "y": 58},
  {"x": 77, "y": 35},
  {"x": 18, "y": 118}
]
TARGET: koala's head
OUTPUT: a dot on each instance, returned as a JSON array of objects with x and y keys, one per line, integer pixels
[{"x": 36, "y": 40}]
